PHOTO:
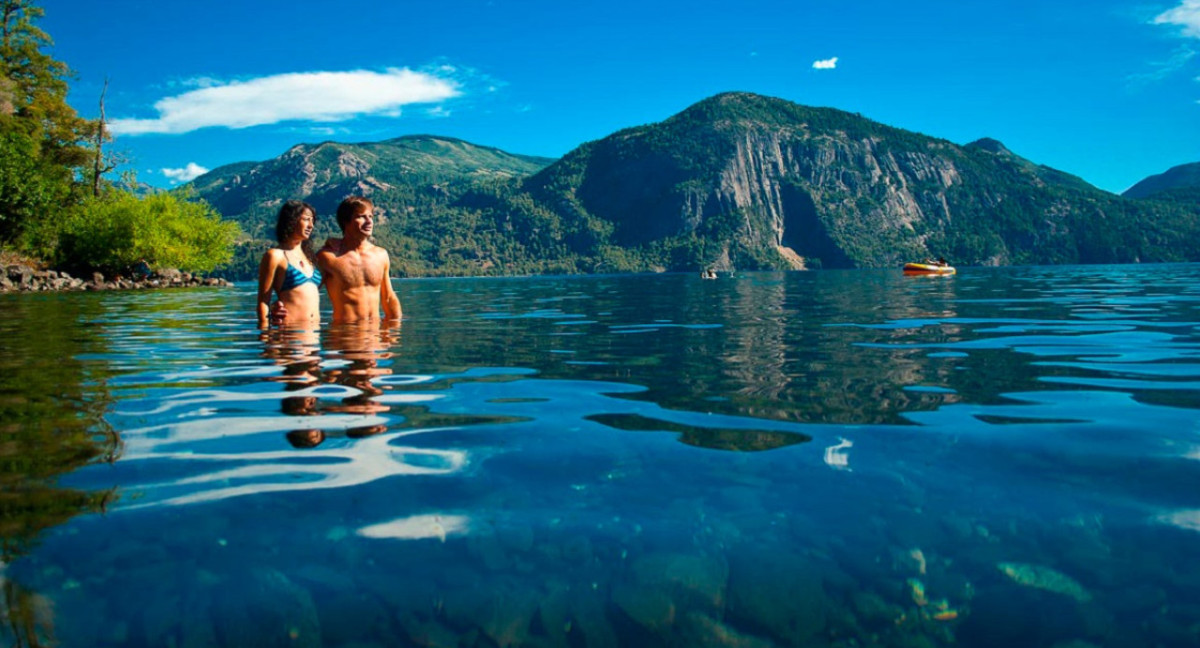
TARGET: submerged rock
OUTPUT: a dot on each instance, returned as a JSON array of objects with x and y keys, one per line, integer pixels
[
  {"x": 703, "y": 631},
  {"x": 1045, "y": 578},
  {"x": 265, "y": 608},
  {"x": 692, "y": 580},
  {"x": 783, "y": 596},
  {"x": 651, "y": 609}
]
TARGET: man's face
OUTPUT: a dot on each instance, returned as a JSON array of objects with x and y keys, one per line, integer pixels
[{"x": 363, "y": 223}]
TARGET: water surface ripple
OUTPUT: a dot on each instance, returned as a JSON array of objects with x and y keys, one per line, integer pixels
[{"x": 1003, "y": 457}]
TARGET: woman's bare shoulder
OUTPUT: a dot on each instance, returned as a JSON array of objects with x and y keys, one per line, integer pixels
[{"x": 274, "y": 255}]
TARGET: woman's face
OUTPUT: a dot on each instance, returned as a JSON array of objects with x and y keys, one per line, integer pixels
[{"x": 306, "y": 225}]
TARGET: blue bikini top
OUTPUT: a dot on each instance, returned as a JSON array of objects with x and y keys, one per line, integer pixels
[{"x": 293, "y": 277}]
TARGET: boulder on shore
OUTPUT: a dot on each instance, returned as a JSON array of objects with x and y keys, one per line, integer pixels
[{"x": 23, "y": 278}]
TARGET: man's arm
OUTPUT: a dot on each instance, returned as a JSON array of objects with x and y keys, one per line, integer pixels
[{"x": 388, "y": 296}]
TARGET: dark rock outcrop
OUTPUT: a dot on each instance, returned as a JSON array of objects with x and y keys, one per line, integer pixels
[{"x": 22, "y": 278}]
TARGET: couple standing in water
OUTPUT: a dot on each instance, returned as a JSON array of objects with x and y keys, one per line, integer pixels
[{"x": 356, "y": 272}]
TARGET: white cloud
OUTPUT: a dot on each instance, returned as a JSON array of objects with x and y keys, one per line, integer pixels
[
  {"x": 197, "y": 82},
  {"x": 1163, "y": 69},
  {"x": 186, "y": 174},
  {"x": 301, "y": 96},
  {"x": 827, "y": 64},
  {"x": 1186, "y": 15}
]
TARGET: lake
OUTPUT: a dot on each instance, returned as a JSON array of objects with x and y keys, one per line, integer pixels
[{"x": 1005, "y": 457}]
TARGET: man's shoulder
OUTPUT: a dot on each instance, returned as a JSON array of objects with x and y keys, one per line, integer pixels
[{"x": 375, "y": 251}]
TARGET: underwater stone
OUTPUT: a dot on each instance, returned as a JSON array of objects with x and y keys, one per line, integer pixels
[
  {"x": 116, "y": 633},
  {"x": 517, "y": 538},
  {"x": 159, "y": 618},
  {"x": 264, "y": 608},
  {"x": 1001, "y": 618},
  {"x": 873, "y": 611},
  {"x": 781, "y": 596},
  {"x": 691, "y": 580},
  {"x": 650, "y": 608},
  {"x": 350, "y": 615},
  {"x": 912, "y": 641},
  {"x": 589, "y": 622},
  {"x": 702, "y": 631},
  {"x": 428, "y": 633},
  {"x": 577, "y": 550},
  {"x": 554, "y": 611},
  {"x": 485, "y": 549},
  {"x": 195, "y": 625},
  {"x": 1045, "y": 578},
  {"x": 1136, "y": 599},
  {"x": 323, "y": 577},
  {"x": 503, "y": 611}
]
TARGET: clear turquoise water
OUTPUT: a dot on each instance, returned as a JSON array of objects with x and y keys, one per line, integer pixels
[{"x": 1006, "y": 457}]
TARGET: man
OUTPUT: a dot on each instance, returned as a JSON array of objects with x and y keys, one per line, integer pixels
[{"x": 357, "y": 272}]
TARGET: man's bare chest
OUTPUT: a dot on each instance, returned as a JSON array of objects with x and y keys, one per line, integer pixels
[{"x": 357, "y": 270}]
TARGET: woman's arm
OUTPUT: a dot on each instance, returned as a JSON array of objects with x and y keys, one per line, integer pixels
[{"x": 266, "y": 286}]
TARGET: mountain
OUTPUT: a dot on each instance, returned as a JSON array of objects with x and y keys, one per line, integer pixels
[
  {"x": 1046, "y": 174},
  {"x": 410, "y": 179},
  {"x": 746, "y": 181},
  {"x": 322, "y": 174},
  {"x": 1177, "y": 184},
  {"x": 737, "y": 181}
]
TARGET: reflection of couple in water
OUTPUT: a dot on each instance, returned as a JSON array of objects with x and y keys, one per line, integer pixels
[
  {"x": 352, "y": 352},
  {"x": 356, "y": 276}
]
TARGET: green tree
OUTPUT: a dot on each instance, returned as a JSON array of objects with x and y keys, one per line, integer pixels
[
  {"x": 45, "y": 141},
  {"x": 29, "y": 187},
  {"x": 38, "y": 86}
]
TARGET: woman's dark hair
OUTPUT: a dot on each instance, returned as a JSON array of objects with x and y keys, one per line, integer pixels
[{"x": 289, "y": 222}]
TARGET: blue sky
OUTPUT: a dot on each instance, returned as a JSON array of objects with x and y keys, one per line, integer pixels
[{"x": 1108, "y": 90}]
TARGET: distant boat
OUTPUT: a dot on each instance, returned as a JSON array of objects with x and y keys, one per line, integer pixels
[{"x": 928, "y": 269}]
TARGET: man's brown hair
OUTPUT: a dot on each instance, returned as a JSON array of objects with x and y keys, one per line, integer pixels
[{"x": 351, "y": 207}]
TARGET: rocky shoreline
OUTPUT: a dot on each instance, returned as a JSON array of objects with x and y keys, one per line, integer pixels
[{"x": 23, "y": 278}]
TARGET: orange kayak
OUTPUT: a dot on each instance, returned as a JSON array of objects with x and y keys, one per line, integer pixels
[{"x": 927, "y": 269}]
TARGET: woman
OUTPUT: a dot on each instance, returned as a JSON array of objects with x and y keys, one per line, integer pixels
[{"x": 289, "y": 272}]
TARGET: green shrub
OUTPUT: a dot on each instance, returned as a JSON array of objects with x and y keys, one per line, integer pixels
[{"x": 117, "y": 231}]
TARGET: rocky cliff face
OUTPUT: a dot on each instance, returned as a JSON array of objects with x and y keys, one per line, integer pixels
[
  {"x": 803, "y": 192},
  {"x": 780, "y": 184}
]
